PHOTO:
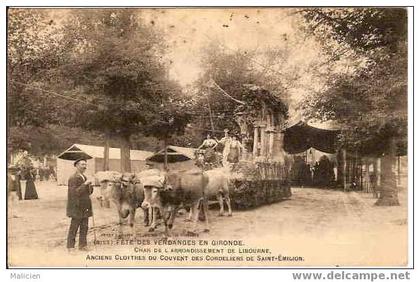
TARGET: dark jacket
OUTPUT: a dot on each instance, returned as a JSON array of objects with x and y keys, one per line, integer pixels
[{"x": 79, "y": 204}]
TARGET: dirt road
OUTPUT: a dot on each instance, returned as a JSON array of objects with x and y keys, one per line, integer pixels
[{"x": 327, "y": 227}]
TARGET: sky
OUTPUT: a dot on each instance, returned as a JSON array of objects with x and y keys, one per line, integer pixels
[{"x": 187, "y": 32}]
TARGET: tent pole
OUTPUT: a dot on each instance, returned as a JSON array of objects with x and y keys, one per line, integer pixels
[{"x": 165, "y": 165}]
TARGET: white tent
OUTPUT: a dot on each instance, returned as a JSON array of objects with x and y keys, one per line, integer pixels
[{"x": 65, "y": 167}]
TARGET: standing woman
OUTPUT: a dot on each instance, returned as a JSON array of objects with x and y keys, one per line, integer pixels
[
  {"x": 30, "y": 191},
  {"x": 235, "y": 149},
  {"x": 209, "y": 145},
  {"x": 225, "y": 141}
]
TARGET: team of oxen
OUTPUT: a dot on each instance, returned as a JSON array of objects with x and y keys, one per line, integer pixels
[{"x": 161, "y": 195}]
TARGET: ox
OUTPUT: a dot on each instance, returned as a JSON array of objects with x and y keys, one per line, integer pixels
[
  {"x": 107, "y": 180},
  {"x": 127, "y": 195},
  {"x": 218, "y": 186},
  {"x": 151, "y": 179},
  {"x": 189, "y": 190},
  {"x": 184, "y": 189}
]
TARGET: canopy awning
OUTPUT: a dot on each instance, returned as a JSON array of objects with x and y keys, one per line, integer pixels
[
  {"x": 301, "y": 136},
  {"x": 74, "y": 154},
  {"x": 174, "y": 154}
]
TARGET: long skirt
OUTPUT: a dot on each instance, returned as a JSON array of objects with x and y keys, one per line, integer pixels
[{"x": 30, "y": 191}]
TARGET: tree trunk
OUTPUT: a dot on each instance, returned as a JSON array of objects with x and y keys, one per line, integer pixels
[
  {"x": 125, "y": 154},
  {"x": 388, "y": 189},
  {"x": 398, "y": 171},
  {"x": 10, "y": 156},
  {"x": 106, "y": 153},
  {"x": 344, "y": 170}
]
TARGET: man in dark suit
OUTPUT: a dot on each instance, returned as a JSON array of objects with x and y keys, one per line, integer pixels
[{"x": 79, "y": 205}]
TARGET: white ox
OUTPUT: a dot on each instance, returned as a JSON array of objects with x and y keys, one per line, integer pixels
[
  {"x": 190, "y": 190},
  {"x": 218, "y": 186},
  {"x": 106, "y": 179},
  {"x": 152, "y": 180}
]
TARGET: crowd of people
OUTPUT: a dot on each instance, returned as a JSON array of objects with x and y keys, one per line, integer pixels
[
  {"x": 27, "y": 170},
  {"x": 321, "y": 174}
]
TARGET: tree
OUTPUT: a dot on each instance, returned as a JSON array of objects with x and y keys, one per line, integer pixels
[
  {"x": 35, "y": 50},
  {"x": 170, "y": 120},
  {"x": 370, "y": 100},
  {"x": 224, "y": 84},
  {"x": 117, "y": 62}
]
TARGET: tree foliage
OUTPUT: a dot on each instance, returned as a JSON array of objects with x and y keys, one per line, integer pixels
[
  {"x": 170, "y": 120},
  {"x": 102, "y": 70},
  {"x": 115, "y": 62},
  {"x": 35, "y": 50},
  {"x": 233, "y": 73},
  {"x": 370, "y": 101},
  {"x": 366, "y": 30}
]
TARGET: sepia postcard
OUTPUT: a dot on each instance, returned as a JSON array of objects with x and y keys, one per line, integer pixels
[{"x": 208, "y": 137}]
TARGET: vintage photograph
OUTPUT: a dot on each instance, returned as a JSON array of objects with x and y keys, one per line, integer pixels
[{"x": 207, "y": 137}]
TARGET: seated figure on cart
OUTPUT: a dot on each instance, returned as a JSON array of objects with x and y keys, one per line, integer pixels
[{"x": 206, "y": 152}]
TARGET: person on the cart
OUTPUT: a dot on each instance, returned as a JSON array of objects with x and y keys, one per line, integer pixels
[{"x": 209, "y": 145}]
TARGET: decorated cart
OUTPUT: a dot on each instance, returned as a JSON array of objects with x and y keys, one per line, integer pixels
[
  {"x": 259, "y": 174},
  {"x": 262, "y": 174}
]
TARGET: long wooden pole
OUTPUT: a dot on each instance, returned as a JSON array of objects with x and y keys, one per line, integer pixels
[
  {"x": 211, "y": 115},
  {"x": 226, "y": 94},
  {"x": 165, "y": 164}
]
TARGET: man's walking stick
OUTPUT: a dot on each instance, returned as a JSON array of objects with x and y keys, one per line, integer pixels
[{"x": 94, "y": 228}]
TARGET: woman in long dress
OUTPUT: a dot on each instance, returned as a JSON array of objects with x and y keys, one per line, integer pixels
[
  {"x": 225, "y": 142},
  {"x": 30, "y": 191},
  {"x": 209, "y": 146},
  {"x": 235, "y": 149}
]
